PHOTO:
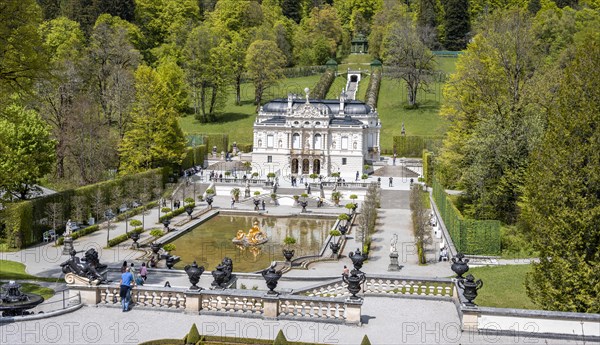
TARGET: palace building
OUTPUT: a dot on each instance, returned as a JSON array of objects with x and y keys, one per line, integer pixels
[{"x": 306, "y": 136}]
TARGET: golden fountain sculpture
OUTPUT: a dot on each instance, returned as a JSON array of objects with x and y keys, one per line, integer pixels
[{"x": 252, "y": 238}]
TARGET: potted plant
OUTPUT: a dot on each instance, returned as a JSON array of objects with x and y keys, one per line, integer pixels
[
  {"x": 288, "y": 252},
  {"x": 336, "y": 196},
  {"x": 255, "y": 175},
  {"x": 169, "y": 247},
  {"x": 135, "y": 223},
  {"x": 235, "y": 193},
  {"x": 210, "y": 192},
  {"x": 156, "y": 233},
  {"x": 313, "y": 176},
  {"x": 335, "y": 174},
  {"x": 334, "y": 245},
  {"x": 271, "y": 175},
  {"x": 296, "y": 198},
  {"x": 188, "y": 200},
  {"x": 274, "y": 198},
  {"x": 343, "y": 218},
  {"x": 304, "y": 203},
  {"x": 364, "y": 177},
  {"x": 165, "y": 210}
]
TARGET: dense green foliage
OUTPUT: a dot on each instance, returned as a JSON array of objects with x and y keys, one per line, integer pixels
[
  {"x": 413, "y": 145},
  {"x": 322, "y": 87},
  {"x": 562, "y": 191}
]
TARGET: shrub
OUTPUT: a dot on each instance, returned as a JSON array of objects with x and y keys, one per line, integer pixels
[
  {"x": 80, "y": 233},
  {"x": 304, "y": 195},
  {"x": 193, "y": 335},
  {"x": 335, "y": 232},
  {"x": 135, "y": 222},
  {"x": 257, "y": 193},
  {"x": 271, "y": 175},
  {"x": 413, "y": 146},
  {"x": 343, "y": 216},
  {"x": 335, "y": 174},
  {"x": 365, "y": 341},
  {"x": 273, "y": 196},
  {"x": 280, "y": 339},
  {"x": 165, "y": 210},
  {"x": 210, "y": 191},
  {"x": 121, "y": 238},
  {"x": 364, "y": 176},
  {"x": 156, "y": 233},
  {"x": 188, "y": 200},
  {"x": 228, "y": 173},
  {"x": 353, "y": 196},
  {"x": 289, "y": 241},
  {"x": 135, "y": 211},
  {"x": 372, "y": 93},
  {"x": 320, "y": 90},
  {"x": 169, "y": 247}
]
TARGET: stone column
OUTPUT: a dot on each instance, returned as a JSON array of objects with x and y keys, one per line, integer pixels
[
  {"x": 90, "y": 295},
  {"x": 470, "y": 317},
  {"x": 271, "y": 306},
  {"x": 353, "y": 308},
  {"x": 193, "y": 302}
]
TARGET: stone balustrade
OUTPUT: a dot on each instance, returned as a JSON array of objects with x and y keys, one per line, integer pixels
[
  {"x": 386, "y": 285},
  {"x": 245, "y": 303}
]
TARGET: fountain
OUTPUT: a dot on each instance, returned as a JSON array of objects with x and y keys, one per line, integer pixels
[
  {"x": 14, "y": 302},
  {"x": 253, "y": 238}
]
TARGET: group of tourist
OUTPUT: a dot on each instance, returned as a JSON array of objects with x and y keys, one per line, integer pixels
[{"x": 129, "y": 279}]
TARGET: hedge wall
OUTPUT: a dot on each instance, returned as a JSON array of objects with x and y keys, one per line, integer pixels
[
  {"x": 470, "y": 236},
  {"x": 320, "y": 90},
  {"x": 220, "y": 140},
  {"x": 428, "y": 167},
  {"x": 26, "y": 220},
  {"x": 372, "y": 93},
  {"x": 413, "y": 146}
]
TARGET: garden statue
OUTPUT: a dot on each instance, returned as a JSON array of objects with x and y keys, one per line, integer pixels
[
  {"x": 470, "y": 287},
  {"x": 194, "y": 272},
  {"x": 271, "y": 278},
  {"x": 90, "y": 271}
]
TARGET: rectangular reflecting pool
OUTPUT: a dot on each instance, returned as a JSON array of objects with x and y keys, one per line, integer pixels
[{"x": 210, "y": 242}]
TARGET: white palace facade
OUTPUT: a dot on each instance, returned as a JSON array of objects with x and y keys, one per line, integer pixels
[{"x": 304, "y": 136}]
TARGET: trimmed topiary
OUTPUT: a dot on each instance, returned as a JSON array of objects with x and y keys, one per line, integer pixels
[
  {"x": 280, "y": 339},
  {"x": 365, "y": 341},
  {"x": 193, "y": 336}
]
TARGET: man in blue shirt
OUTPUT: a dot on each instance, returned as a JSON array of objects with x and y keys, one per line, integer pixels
[{"x": 126, "y": 284}]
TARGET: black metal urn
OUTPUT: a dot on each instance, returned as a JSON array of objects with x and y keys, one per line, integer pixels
[
  {"x": 288, "y": 254},
  {"x": 209, "y": 201},
  {"x": 166, "y": 223},
  {"x": 189, "y": 210},
  {"x": 256, "y": 203},
  {"x": 170, "y": 261},
  {"x": 343, "y": 229},
  {"x": 357, "y": 259},
  {"x": 155, "y": 246},
  {"x": 219, "y": 278},
  {"x": 470, "y": 287},
  {"x": 271, "y": 277},
  {"x": 303, "y": 204},
  {"x": 354, "y": 281},
  {"x": 460, "y": 265},
  {"x": 135, "y": 236},
  {"x": 194, "y": 272},
  {"x": 334, "y": 246}
]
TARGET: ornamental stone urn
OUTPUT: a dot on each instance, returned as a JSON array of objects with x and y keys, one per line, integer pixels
[
  {"x": 460, "y": 265},
  {"x": 343, "y": 229},
  {"x": 155, "y": 246},
  {"x": 170, "y": 261},
  {"x": 135, "y": 236},
  {"x": 209, "y": 201},
  {"x": 194, "y": 272},
  {"x": 354, "y": 281},
  {"x": 189, "y": 210},
  {"x": 470, "y": 287},
  {"x": 335, "y": 247},
  {"x": 166, "y": 223},
  {"x": 256, "y": 203},
  {"x": 303, "y": 204},
  {"x": 271, "y": 278}
]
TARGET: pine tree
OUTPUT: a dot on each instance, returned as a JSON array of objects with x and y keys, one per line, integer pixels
[
  {"x": 365, "y": 341},
  {"x": 562, "y": 192},
  {"x": 457, "y": 24},
  {"x": 280, "y": 339},
  {"x": 292, "y": 9},
  {"x": 193, "y": 336}
]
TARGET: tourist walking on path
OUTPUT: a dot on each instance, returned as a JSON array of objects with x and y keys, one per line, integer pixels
[
  {"x": 391, "y": 180},
  {"x": 232, "y": 202},
  {"x": 356, "y": 179},
  {"x": 124, "y": 267},
  {"x": 126, "y": 285},
  {"x": 263, "y": 205}
]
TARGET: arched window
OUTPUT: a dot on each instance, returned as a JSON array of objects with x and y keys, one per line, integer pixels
[
  {"x": 296, "y": 141},
  {"x": 280, "y": 144},
  {"x": 318, "y": 142},
  {"x": 354, "y": 145},
  {"x": 259, "y": 143}
]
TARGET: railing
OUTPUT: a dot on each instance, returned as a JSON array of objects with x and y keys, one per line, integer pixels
[
  {"x": 247, "y": 303},
  {"x": 382, "y": 285}
]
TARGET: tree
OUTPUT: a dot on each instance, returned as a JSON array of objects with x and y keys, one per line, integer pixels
[
  {"x": 562, "y": 191},
  {"x": 154, "y": 138},
  {"x": 26, "y": 150},
  {"x": 420, "y": 219},
  {"x": 264, "y": 62},
  {"x": 456, "y": 24},
  {"x": 113, "y": 61},
  {"x": 63, "y": 41},
  {"x": 292, "y": 9},
  {"x": 21, "y": 62},
  {"x": 208, "y": 71},
  {"x": 173, "y": 78},
  {"x": 414, "y": 62},
  {"x": 496, "y": 118}
]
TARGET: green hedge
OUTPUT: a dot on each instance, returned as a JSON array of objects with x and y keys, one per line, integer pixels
[
  {"x": 242, "y": 147},
  {"x": 428, "y": 167},
  {"x": 220, "y": 140},
  {"x": 470, "y": 236},
  {"x": 413, "y": 145},
  {"x": 175, "y": 212},
  {"x": 80, "y": 233},
  {"x": 26, "y": 220},
  {"x": 372, "y": 93},
  {"x": 200, "y": 154},
  {"x": 320, "y": 90}
]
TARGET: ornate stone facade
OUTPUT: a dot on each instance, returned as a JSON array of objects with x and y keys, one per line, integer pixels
[{"x": 303, "y": 136}]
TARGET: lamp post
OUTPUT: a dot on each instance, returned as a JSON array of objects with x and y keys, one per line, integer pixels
[{"x": 108, "y": 215}]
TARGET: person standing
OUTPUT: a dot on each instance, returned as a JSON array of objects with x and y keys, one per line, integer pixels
[
  {"x": 232, "y": 202},
  {"x": 346, "y": 271},
  {"x": 144, "y": 271},
  {"x": 124, "y": 267},
  {"x": 391, "y": 180},
  {"x": 126, "y": 284},
  {"x": 356, "y": 176},
  {"x": 263, "y": 205}
]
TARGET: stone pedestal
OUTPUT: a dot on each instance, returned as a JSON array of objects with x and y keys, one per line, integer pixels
[
  {"x": 271, "y": 307},
  {"x": 353, "y": 308},
  {"x": 193, "y": 302},
  {"x": 67, "y": 245},
  {"x": 393, "y": 266},
  {"x": 90, "y": 295},
  {"x": 470, "y": 319}
]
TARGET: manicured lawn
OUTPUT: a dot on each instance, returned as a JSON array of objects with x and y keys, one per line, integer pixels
[
  {"x": 236, "y": 120},
  {"x": 503, "y": 286},
  {"x": 11, "y": 270},
  {"x": 35, "y": 289}
]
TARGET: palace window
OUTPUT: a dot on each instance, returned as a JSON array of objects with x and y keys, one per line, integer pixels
[
  {"x": 318, "y": 142},
  {"x": 270, "y": 140},
  {"x": 296, "y": 141},
  {"x": 269, "y": 159},
  {"x": 344, "y": 143},
  {"x": 344, "y": 161}
]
